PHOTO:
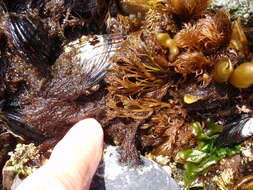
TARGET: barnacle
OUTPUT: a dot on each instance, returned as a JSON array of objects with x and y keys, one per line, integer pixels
[
  {"x": 22, "y": 163},
  {"x": 208, "y": 35},
  {"x": 242, "y": 9},
  {"x": 189, "y": 8},
  {"x": 8, "y": 143},
  {"x": 225, "y": 180}
]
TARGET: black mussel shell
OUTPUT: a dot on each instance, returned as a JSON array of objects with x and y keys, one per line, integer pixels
[
  {"x": 31, "y": 40},
  {"x": 23, "y": 129},
  {"x": 15, "y": 124},
  {"x": 87, "y": 8},
  {"x": 82, "y": 65},
  {"x": 23, "y": 6},
  {"x": 97, "y": 63},
  {"x": 2, "y": 8},
  {"x": 2, "y": 75},
  {"x": 236, "y": 131}
]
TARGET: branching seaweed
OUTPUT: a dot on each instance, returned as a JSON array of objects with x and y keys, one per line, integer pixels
[
  {"x": 209, "y": 34},
  {"x": 186, "y": 9},
  {"x": 156, "y": 67}
]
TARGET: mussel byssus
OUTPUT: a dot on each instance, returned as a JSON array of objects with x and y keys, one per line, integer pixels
[{"x": 76, "y": 74}]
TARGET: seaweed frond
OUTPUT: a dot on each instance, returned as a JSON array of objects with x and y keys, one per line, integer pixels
[
  {"x": 142, "y": 6},
  {"x": 127, "y": 107},
  {"x": 159, "y": 22},
  {"x": 190, "y": 62},
  {"x": 239, "y": 40},
  {"x": 208, "y": 35},
  {"x": 141, "y": 86},
  {"x": 189, "y": 8},
  {"x": 199, "y": 159},
  {"x": 140, "y": 62}
]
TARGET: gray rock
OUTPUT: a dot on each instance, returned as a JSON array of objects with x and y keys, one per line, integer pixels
[
  {"x": 113, "y": 175},
  {"x": 242, "y": 9}
]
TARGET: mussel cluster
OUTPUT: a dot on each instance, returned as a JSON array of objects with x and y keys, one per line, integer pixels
[
  {"x": 146, "y": 69},
  {"x": 41, "y": 67}
]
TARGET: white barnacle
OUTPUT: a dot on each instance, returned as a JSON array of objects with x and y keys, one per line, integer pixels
[{"x": 93, "y": 54}]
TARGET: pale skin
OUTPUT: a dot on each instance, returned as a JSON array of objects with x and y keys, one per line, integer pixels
[{"x": 73, "y": 161}]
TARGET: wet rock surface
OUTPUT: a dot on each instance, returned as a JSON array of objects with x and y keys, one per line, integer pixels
[
  {"x": 242, "y": 9},
  {"x": 113, "y": 175},
  {"x": 237, "y": 8}
]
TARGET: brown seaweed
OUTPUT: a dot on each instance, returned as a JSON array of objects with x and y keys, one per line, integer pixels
[
  {"x": 159, "y": 21},
  {"x": 190, "y": 62},
  {"x": 142, "y": 104},
  {"x": 64, "y": 99},
  {"x": 186, "y": 9},
  {"x": 147, "y": 86},
  {"x": 208, "y": 35},
  {"x": 131, "y": 95}
]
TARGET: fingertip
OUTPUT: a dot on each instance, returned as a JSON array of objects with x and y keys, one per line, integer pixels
[
  {"x": 86, "y": 134},
  {"x": 73, "y": 161},
  {"x": 79, "y": 152},
  {"x": 90, "y": 125}
]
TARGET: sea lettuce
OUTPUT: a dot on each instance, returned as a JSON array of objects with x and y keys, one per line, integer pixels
[{"x": 198, "y": 160}]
